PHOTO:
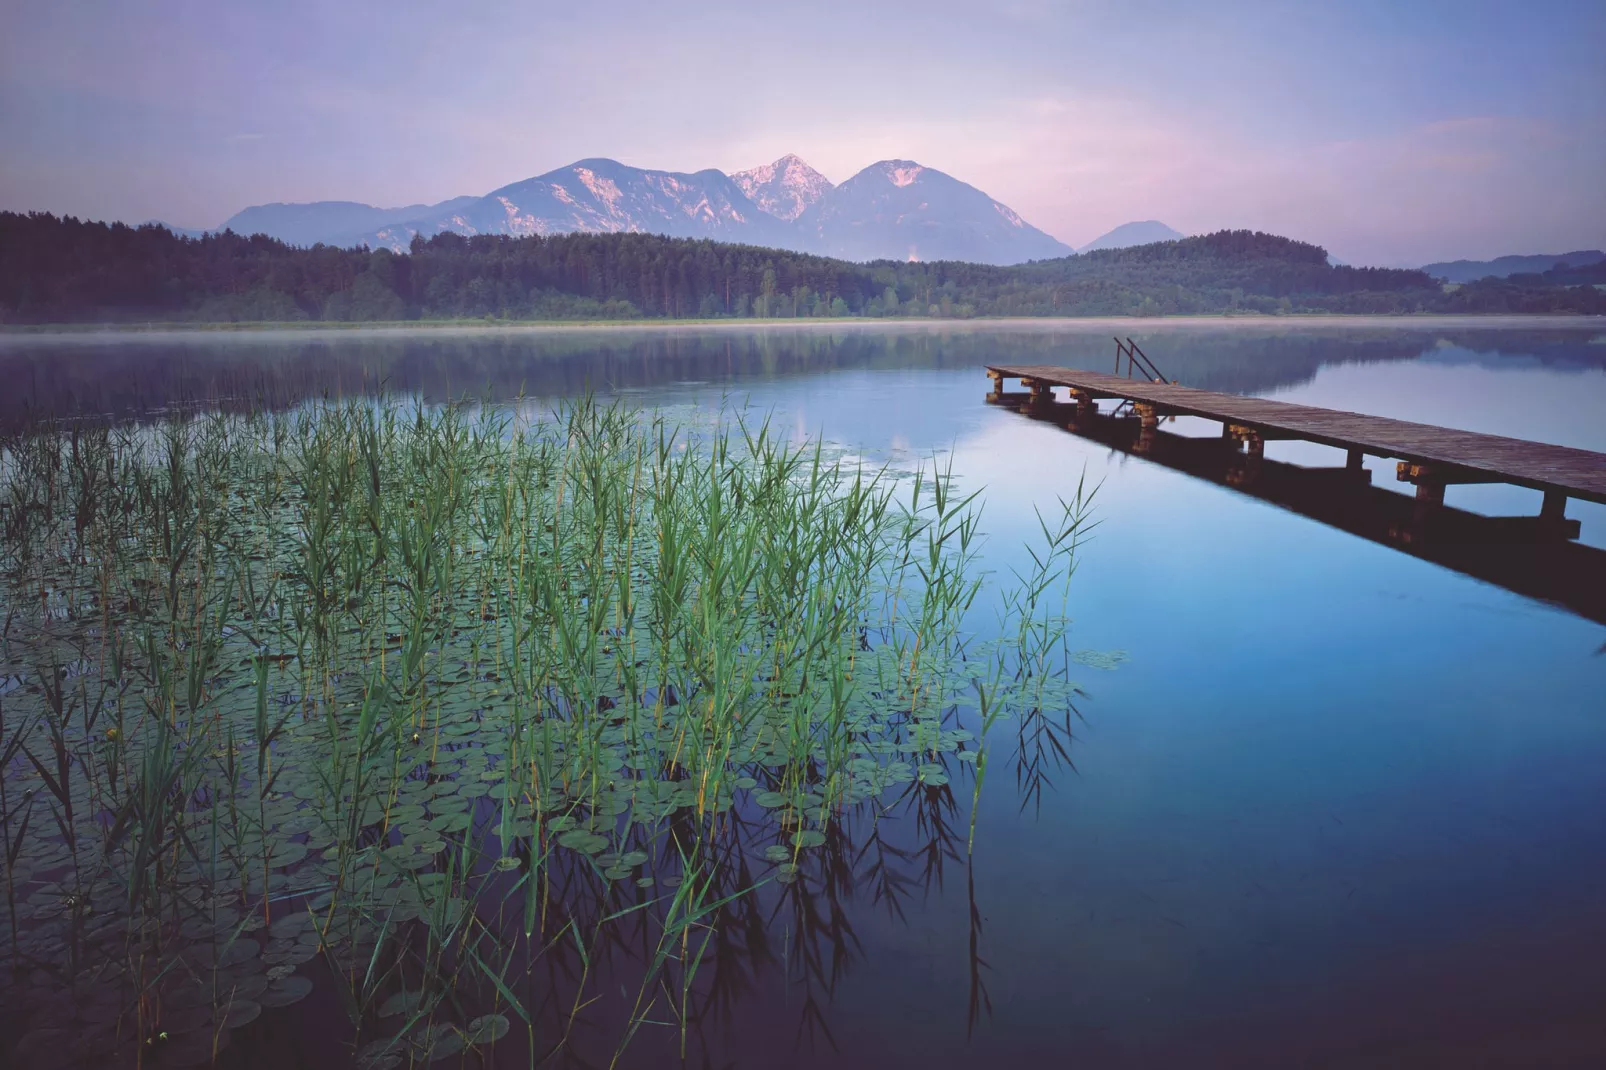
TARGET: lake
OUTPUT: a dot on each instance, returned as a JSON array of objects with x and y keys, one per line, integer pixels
[{"x": 1320, "y": 802}]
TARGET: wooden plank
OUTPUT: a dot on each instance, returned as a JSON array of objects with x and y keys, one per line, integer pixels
[{"x": 1573, "y": 472}]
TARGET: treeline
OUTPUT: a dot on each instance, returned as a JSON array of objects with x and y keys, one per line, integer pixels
[{"x": 63, "y": 270}]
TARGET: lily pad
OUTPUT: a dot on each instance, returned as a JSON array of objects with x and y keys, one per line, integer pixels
[
  {"x": 583, "y": 841},
  {"x": 285, "y": 991},
  {"x": 451, "y": 823},
  {"x": 288, "y": 855},
  {"x": 442, "y": 1043},
  {"x": 404, "y": 1002},
  {"x": 380, "y": 1055},
  {"x": 249, "y": 986},
  {"x": 241, "y": 950},
  {"x": 487, "y": 1029},
  {"x": 242, "y": 1012}
]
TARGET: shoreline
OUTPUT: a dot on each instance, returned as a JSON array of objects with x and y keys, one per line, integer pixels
[{"x": 11, "y": 335}]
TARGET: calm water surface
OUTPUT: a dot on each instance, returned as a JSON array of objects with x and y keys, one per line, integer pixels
[{"x": 1325, "y": 803}]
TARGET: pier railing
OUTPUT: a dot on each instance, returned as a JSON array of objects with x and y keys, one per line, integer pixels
[{"x": 1136, "y": 360}]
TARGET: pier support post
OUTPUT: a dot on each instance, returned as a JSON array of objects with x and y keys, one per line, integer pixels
[
  {"x": 1244, "y": 471},
  {"x": 1356, "y": 461},
  {"x": 1247, "y": 438},
  {"x": 1148, "y": 426},
  {"x": 1042, "y": 393},
  {"x": 1085, "y": 405},
  {"x": 1430, "y": 482},
  {"x": 1552, "y": 521},
  {"x": 1442, "y": 474},
  {"x": 998, "y": 384}
]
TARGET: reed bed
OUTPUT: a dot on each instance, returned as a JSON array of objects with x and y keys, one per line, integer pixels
[{"x": 447, "y": 714}]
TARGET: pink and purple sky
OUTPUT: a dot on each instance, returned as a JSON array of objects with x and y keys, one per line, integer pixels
[{"x": 1392, "y": 133}]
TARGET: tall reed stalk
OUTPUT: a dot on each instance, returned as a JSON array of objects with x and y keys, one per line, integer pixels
[{"x": 449, "y": 695}]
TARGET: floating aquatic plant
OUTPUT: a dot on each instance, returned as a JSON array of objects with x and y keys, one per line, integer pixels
[{"x": 442, "y": 697}]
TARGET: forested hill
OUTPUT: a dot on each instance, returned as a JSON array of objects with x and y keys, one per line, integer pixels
[{"x": 62, "y": 270}]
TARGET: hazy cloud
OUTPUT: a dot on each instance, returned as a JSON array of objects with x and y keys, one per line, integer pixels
[{"x": 1390, "y": 132}]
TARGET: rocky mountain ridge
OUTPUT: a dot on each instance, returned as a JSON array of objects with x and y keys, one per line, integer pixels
[
  {"x": 891, "y": 210},
  {"x": 601, "y": 196},
  {"x": 784, "y": 189}
]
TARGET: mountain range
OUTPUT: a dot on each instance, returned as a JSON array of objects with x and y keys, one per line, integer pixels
[
  {"x": 331, "y": 222},
  {"x": 891, "y": 210},
  {"x": 1503, "y": 267}
]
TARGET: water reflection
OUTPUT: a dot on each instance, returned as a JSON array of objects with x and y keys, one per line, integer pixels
[
  {"x": 123, "y": 376},
  {"x": 775, "y": 957},
  {"x": 1522, "y": 554}
]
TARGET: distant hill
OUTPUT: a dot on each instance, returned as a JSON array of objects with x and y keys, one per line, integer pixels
[
  {"x": 892, "y": 210},
  {"x": 1585, "y": 274},
  {"x": 1129, "y": 234},
  {"x": 183, "y": 232},
  {"x": 329, "y": 222},
  {"x": 1503, "y": 267}
]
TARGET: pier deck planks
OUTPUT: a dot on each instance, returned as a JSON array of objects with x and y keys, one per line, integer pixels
[{"x": 1573, "y": 472}]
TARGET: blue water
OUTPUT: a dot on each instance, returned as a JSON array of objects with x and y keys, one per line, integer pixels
[
  {"x": 1329, "y": 775},
  {"x": 1337, "y": 806}
]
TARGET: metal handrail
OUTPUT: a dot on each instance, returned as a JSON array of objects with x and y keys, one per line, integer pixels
[
  {"x": 1153, "y": 370},
  {"x": 1136, "y": 358}
]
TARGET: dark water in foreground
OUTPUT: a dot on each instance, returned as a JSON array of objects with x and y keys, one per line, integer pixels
[{"x": 1331, "y": 804}]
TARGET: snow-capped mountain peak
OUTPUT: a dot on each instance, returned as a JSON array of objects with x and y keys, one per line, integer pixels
[
  {"x": 901, "y": 172},
  {"x": 905, "y": 210},
  {"x": 602, "y": 196},
  {"x": 893, "y": 209},
  {"x": 784, "y": 189}
]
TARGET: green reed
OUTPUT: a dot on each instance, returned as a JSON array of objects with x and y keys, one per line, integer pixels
[{"x": 440, "y": 694}]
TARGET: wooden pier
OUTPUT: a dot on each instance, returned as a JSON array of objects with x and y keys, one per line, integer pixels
[
  {"x": 1521, "y": 554},
  {"x": 1430, "y": 457}
]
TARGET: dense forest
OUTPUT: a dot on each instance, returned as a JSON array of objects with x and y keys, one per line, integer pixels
[{"x": 63, "y": 270}]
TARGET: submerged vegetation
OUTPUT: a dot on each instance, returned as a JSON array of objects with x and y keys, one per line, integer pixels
[{"x": 494, "y": 729}]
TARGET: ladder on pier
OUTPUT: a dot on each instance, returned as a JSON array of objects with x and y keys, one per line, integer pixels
[{"x": 1136, "y": 361}]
